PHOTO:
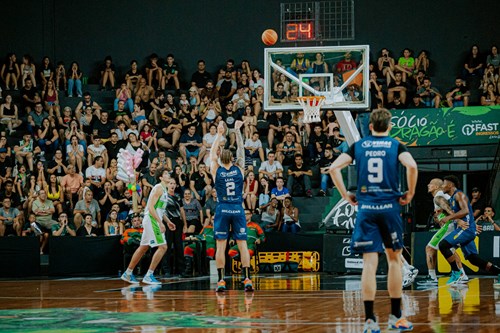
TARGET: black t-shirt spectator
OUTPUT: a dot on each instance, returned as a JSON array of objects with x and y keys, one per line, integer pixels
[
  {"x": 103, "y": 130},
  {"x": 199, "y": 180},
  {"x": 201, "y": 78},
  {"x": 230, "y": 119},
  {"x": 186, "y": 138},
  {"x": 14, "y": 198},
  {"x": 326, "y": 162},
  {"x": 114, "y": 148},
  {"x": 30, "y": 93},
  {"x": 282, "y": 121},
  {"x": 59, "y": 171},
  {"x": 7, "y": 163},
  {"x": 304, "y": 168},
  {"x": 106, "y": 207},
  {"x": 321, "y": 139},
  {"x": 165, "y": 124}
]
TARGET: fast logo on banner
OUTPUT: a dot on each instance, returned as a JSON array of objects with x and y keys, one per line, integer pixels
[{"x": 447, "y": 126}]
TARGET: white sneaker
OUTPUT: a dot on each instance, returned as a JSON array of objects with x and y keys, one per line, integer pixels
[
  {"x": 150, "y": 279},
  {"x": 465, "y": 278}
]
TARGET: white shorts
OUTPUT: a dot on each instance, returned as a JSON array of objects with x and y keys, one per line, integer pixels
[
  {"x": 152, "y": 234},
  {"x": 441, "y": 234}
]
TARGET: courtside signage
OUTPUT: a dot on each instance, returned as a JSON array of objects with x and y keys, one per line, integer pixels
[{"x": 447, "y": 126}]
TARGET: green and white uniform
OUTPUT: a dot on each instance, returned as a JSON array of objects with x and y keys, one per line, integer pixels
[
  {"x": 152, "y": 234},
  {"x": 446, "y": 229}
]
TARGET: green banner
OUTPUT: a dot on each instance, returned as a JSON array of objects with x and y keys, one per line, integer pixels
[{"x": 447, "y": 126}]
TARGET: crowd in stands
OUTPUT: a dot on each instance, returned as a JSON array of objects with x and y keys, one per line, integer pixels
[{"x": 58, "y": 165}]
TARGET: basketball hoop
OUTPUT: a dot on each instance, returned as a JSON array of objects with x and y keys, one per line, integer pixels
[{"x": 311, "y": 106}]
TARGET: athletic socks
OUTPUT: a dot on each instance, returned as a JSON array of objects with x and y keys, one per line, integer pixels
[
  {"x": 246, "y": 272},
  {"x": 129, "y": 271},
  {"x": 220, "y": 272},
  {"x": 396, "y": 307},
  {"x": 432, "y": 273},
  {"x": 369, "y": 310},
  {"x": 150, "y": 272}
]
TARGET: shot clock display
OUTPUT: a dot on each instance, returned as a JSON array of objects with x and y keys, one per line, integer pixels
[
  {"x": 300, "y": 31},
  {"x": 317, "y": 21}
]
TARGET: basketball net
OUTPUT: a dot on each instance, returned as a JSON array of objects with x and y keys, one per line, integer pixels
[{"x": 311, "y": 106}]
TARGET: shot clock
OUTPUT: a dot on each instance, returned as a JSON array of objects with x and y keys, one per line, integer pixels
[{"x": 317, "y": 21}]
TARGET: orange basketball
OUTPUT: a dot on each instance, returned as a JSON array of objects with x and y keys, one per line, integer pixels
[{"x": 269, "y": 37}]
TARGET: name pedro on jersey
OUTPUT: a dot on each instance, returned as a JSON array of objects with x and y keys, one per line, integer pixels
[{"x": 375, "y": 153}]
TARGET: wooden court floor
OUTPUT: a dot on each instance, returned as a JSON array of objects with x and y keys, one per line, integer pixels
[{"x": 282, "y": 303}]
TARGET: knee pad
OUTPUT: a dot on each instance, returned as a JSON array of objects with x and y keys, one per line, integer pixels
[{"x": 445, "y": 248}]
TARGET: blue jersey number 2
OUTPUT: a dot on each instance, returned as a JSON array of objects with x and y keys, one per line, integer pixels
[{"x": 230, "y": 186}]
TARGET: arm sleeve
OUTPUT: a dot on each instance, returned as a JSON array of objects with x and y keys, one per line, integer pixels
[
  {"x": 351, "y": 151},
  {"x": 402, "y": 149},
  {"x": 240, "y": 151}
]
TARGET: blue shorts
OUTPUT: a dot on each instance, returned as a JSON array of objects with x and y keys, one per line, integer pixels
[
  {"x": 227, "y": 215},
  {"x": 192, "y": 153},
  {"x": 375, "y": 229},
  {"x": 463, "y": 239}
]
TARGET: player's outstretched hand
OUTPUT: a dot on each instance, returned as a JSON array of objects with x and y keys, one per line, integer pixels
[
  {"x": 238, "y": 124},
  {"x": 221, "y": 129},
  {"x": 405, "y": 198},
  {"x": 351, "y": 198}
]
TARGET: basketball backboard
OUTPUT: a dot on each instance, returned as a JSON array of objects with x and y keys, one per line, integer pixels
[{"x": 340, "y": 73}]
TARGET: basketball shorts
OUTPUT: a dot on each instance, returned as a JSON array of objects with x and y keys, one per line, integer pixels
[
  {"x": 230, "y": 215},
  {"x": 464, "y": 239},
  {"x": 376, "y": 231},
  {"x": 444, "y": 231},
  {"x": 152, "y": 234}
]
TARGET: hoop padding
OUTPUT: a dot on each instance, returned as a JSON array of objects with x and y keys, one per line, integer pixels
[{"x": 311, "y": 106}]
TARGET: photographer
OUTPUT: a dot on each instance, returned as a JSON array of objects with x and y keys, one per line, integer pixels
[
  {"x": 486, "y": 222},
  {"x": 63, "y": 229}
]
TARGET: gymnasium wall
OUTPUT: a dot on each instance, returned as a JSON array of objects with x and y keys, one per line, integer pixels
[{"x": 215, "y": 30}]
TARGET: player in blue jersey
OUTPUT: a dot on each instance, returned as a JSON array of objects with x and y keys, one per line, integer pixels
[
  {"x": 464, "y": 234},
  {"x": 379, "y": 201},
  {"x": 229, "y": 214}
]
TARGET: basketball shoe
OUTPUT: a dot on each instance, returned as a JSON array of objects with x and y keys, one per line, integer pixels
[
  {"x": 409, "y": 276},
  {"x": 428, "y": 281},
  {"x": 496, "y": 284},
  {"x": 221, "y": 286},
  {"x": 400, "y": 324},
  {"x": 248, "y": 285},
  {"x": 130, "y": 278},
  {"x": 371, "y": 326},
  {"x": 150, "y": 279},
  {"x": 455, "y": 278}
]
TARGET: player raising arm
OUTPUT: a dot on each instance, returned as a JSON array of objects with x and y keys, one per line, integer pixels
[
  {"x": 378, "y": 220},
  {"x": 228, "y": 180}
]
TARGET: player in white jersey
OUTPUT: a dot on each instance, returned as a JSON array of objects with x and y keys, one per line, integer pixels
[
  {"x": 441, "y": 209},
  {"x": 154, "y": 231}
]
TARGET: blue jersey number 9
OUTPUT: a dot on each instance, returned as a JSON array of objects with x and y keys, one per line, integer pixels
[{"x": 375, "y": 169}]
